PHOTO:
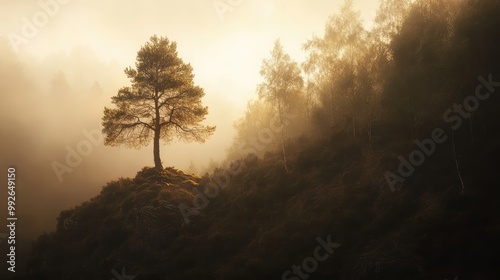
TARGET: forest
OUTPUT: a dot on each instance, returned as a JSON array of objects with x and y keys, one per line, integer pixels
[{"x": 376, "y": 158}]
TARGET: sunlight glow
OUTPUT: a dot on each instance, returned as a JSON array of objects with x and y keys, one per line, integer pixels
[{"x": 267, "y": 10}]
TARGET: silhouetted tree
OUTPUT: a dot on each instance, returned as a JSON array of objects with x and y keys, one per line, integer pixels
[
  {"x": 59, "y": 87},
  {"x": 334, "y": 60},
  {"x": 416, "y": 82},
  {"x": 282, "y": 85},
  {"x": 162, "y": 102},
  {"x": 389, "y": 19}
]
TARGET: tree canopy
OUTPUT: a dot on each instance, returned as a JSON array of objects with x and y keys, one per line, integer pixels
[
  {"x": 162, "y": 102},
  {"x": 282, "y": 86}
]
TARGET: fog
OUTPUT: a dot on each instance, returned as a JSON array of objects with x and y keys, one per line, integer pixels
[{"x": 55, "y": 83}]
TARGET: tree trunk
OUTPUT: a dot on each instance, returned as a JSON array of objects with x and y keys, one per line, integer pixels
[
  {"x": 282, "y": 136},
  {"x": 156, "y": 150},
  {"x": 283, "y": 149},
  {"x": 369, "y": 130},
  {"x": 455, "y": 157},
  {"x": 411, "y": 118},
  {"x": 156, "y": 140},
  {"x": 353, "y": 127}
]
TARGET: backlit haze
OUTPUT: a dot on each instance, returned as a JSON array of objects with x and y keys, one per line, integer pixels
[{"x": 56, "y": 84}]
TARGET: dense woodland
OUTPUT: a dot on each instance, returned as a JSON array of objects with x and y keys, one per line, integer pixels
[{"x": 311, "y": 158}]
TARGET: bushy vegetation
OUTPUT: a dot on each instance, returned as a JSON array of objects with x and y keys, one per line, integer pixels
[{"x": 368, "y": 95}]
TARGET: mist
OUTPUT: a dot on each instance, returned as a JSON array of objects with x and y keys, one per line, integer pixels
[
  {"x": 372, "y": 130},
  {"x": 56, "y": 84}
]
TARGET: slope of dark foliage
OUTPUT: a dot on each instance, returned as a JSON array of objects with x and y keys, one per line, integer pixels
[
  {"x": 266, "y": 220},
  {"x": 441, "y": 222}
]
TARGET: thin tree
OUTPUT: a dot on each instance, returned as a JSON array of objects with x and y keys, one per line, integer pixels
[
  {"x": 161, "y": 103},
  {"x": 282, "y": 85},
  {"x": 333, "y": 63}
]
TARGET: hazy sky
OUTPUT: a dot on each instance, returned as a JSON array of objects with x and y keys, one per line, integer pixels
[
  {"x": 56, "y": 54},
  {"x": 226, "y": 52}
]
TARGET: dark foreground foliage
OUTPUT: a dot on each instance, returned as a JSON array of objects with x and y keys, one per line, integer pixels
[
  {"x": 442, "y": 222},
  {"x": 265, "y": 220}
]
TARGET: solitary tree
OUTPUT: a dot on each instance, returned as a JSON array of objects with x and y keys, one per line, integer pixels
[
  {"x": 282, "y": 85},
  {"x": 162, "y": 102}
]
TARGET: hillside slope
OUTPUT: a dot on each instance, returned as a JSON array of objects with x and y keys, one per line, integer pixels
[{"x": 262, "y": 220}]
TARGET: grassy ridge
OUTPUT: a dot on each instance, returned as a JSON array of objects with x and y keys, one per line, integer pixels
[{"x": 266, "y": 220}]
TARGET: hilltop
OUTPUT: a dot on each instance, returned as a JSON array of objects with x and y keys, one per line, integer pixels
[
  {"x": 386, "y": 161},
  {"x": 263, "y": 220}
]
